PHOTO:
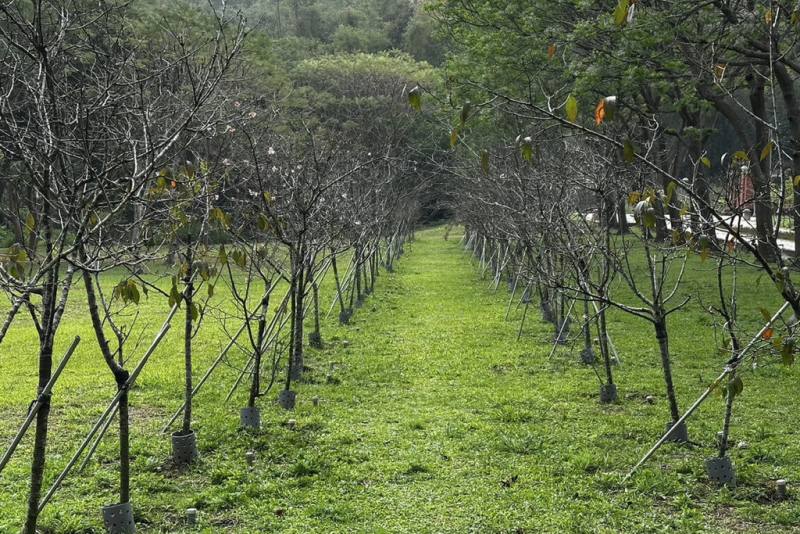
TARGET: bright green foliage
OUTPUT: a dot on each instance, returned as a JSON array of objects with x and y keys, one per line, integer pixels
[
  {"x": 343, "y": 26},
  {"x": 571, "y": 108},
  {"x": 344, "y": 94}
]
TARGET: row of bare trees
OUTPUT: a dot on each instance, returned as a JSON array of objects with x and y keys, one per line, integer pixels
[
  {"x": 682, "y": 114},
  {"x": 89, "y": 115},
  {"x": 141, "y": 151},
  {"x": 544, "y": 220}
]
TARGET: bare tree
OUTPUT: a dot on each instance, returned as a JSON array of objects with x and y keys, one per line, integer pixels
[{"x": 86, "y": 120}]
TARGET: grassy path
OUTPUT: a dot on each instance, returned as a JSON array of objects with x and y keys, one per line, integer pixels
[
  {"x": 438, "y": 419},
  {"x": 433, "y": 418},
  {"x": 442, "y": 422}
]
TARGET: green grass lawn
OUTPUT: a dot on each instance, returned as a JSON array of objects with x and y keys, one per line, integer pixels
[{"x": 433, "y": 418}]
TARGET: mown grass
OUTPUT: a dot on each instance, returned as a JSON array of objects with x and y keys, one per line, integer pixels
[{"x": 433, "y": 418}]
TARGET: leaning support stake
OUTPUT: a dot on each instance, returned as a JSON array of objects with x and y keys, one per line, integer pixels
[
  {"x": 513, "y": 292},
  {"x": 203, "y": 380},
  {"x": 110, "y": 420},
  {"x": 561, "y": 330},
  {"x": 97, "y": 441},
  {"x": 38, "y": 404},
  {"x": 271, "y": 334},
  {"x": 109, "y": 410},
  {"x": 732, "y": 366},
  {"x": 608, "y": 337},
  {"x": 501, "y": 268},
  {"x": 522, "y": 322},
  {"x": 215, "y": 364},
  {"x": 345, "y": 286},
  {"x": 274, "y": 331}
]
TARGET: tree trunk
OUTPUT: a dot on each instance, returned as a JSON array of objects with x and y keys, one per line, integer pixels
[
  {"x": 121, "y": 379},
  {"x": 358, "y": 276},
  {"x": 587, "y": 331},
  {"x": 339, "y": 294},
  {"x": 673, "y": 210},
  {"x": 315, "y": 289},
  {"x": 760, "y": 172},
  {"x": 660, "y": 207},
  {"x": 604, "y": 349},
  {"x": 622, "y": 217},
  {"x": 255, "y": 386},
  {"x": 661, "y": 220},
  {"x": 662, "y": 336},
  {"x": 47, "y": 333},
  {"x": 171, "y": 253},
  {"x": 701, "y": 218},
  {"x": 15, "y": 209},
  {"x": 786, "y": 83},
  {"x": 726, "y": 424},
  {"x": 187, "y": 344},
  {"x": 352, "y": 301},
  {"x": 672, "y": 206},
  {"x": 706, "y": 224},
  {"x": 39, "y": 445},
  {"x": 124, "y": 448},
  {"x": 374, "y": 270},
  {"x": 292, "y": 328},
  {"x": 297, "y": 355},
  {"x": 37, "y": 466}
]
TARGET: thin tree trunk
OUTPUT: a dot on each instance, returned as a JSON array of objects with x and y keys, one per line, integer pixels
[
  {"x": 673, "y": 210},
  {"x": 124, "y": 449},
  {"x": 661, "y": 220},
  {"x": 315, "y": 289},
  {"x": 662, "y": 336},
  {"x": 603, "y": 335},
  {"x": 786, "y": 83},
  {"x": 121, "y": 378},
  {"x": 338, "y": 283},
  {"x": 389, "y": 266},
  {"x": 662, "y": 233},
  {"x": 760, "y": 172},
  {"x": 46, "y": 335},
  {"x": 187, "y": 344},
  {"x": 587, "y": 332},
  {"x": 255, "y": 386},
  {"x": 39, "y": 444},
  {"x": 297, "y": 355},
  {"x": 726, "y": 425},
  {"x": 292, "y": 328},
  {"x": 358, "y": 276},
  {"x": 374, "y": 269},
  {"x": 622, "y": 218},
  {"x": 675, "y": 218},
  {"x": 40, "y": 440}
]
